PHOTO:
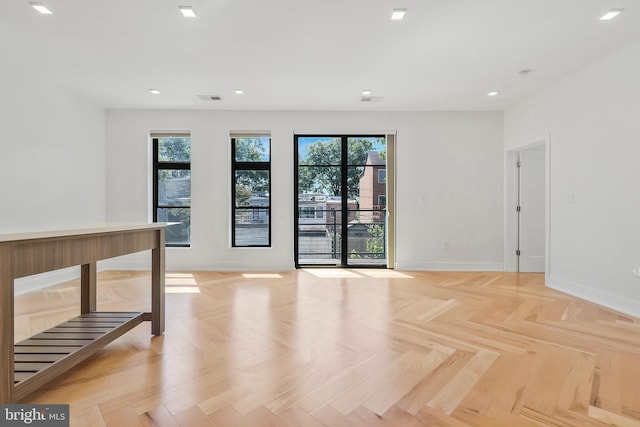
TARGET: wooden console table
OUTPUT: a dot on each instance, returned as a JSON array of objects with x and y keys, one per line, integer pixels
[{"x": 29, "y": 364}]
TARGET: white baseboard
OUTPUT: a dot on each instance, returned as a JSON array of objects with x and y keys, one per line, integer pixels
[
  {"x": 596, "y": 296},
  {"x": 450, "y": 266},
  {"x": 44, "y": 280}
]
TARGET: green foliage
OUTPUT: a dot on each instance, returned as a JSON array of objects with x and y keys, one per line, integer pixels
[
  {"x": 181, "y": 215},
  {"x": 250, "y": 182},
  {"x": 174, "y": 150},
  {"x": 327, "y": 177},
  {"x": 252, "y": 149},
  {"x": 243, "y": 194},
  {"x": 375, "y": 244}
]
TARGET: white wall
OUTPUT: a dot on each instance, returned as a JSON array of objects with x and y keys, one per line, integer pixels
[
  {"x": 593, "y": 119},
  {"x": 449, "y": 183},
  {"x": 52, "y": 160}
]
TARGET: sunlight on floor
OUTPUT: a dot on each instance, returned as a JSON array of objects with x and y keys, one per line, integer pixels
[
  {"x": 182, "y": 290},
  {"x": 332, "y": 273},
  {"x": 261, "y": 276},
  {"x": 338, "y": 273},
  {"x": 385, "y": 274},
  {"x": 180, "y": 283}
]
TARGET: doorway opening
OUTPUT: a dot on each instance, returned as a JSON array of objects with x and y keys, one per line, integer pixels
[
  {"x": 527, "y": 235},
  {"x": 341, "y": 193}
]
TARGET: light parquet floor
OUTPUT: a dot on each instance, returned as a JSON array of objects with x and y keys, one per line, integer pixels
[{"x": 350, "y": 348}]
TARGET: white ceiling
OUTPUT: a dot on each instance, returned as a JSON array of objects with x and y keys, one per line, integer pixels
[{"x": 310, "y": 54}]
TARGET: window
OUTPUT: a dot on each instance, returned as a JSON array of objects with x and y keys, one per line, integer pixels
[
  {"x": 382, "y": 176},
  {"x": 251, "y": 191},
  {"x": 337, "y": 174},
  {"x": 172, "y": 186},
  {"x": 306, "y": 212},
  {"x": 382, "y": 200}
]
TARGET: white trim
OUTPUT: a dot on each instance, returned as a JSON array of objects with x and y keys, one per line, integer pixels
[
  {"x": 510, "y": 232},
  {"x": 450, "y": 266},
  {"x": 325, "y": 132},
  {"x": 170, "y": 134},
  {"x": 249, "y": 134},
  {"x": 596, "y": 296}
]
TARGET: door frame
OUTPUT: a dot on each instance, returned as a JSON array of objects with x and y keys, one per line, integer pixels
[
  {"x": 510, "y": 199},
  {"x": 390, "y": 238}
]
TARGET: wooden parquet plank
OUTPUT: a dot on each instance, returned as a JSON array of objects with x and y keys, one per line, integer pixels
[
  {"x": 228, "y": 416},
  {"x": 295, "y": 416},
  {"x": 403, "y": 383},
  {"x": 448, "y": 398},
  {"x": 125, "y": 416},
  {"x": 610, "y": 418},
  {"x": 377, "y": 381},
  {"x": 347, "y": 378},
  {"x": 159, "y": 417},
  {"x": 192, "y": 417},
  {"x": 347, "y": 348},
  {"x": 433, "y": 383},
  {"x": 87, "y": 417}
]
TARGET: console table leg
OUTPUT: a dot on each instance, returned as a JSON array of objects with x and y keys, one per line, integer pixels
[
  {"x": 6, "y": 326},
  {"x": 88, "y": 281},
  {"x": 157, "y": 285}
]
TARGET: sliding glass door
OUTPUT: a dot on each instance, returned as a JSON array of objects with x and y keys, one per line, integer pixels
[{"x": 340, "y": 200}]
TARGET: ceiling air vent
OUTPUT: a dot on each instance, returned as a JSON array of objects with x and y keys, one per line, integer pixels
[
  {"x": 371, "y": 98},
  {"x": 210, "y": 97}
]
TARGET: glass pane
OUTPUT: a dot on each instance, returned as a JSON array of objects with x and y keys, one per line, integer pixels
[
  {"x": 318, "y": 248},
  {"x": 355, "y": 176},
  {"x": 178, "y": 231},
  {"x": 319, "y": 228},
  {"x": 319, "y": 181},
  {"x": 174, "y": 187},
  {"x": 366, "y": 241},
  {"x": 367, "y": 189},
  {"x": 252, "y": 149},
  {"x": 251, "y": 227},
  {"x": 174, "y": 150},
  {"x": 382, "y": 176},
  {"x": 366, "y": 150},
  {"x": 252, "y": 188},
  {"x": 319, "y": 150}
]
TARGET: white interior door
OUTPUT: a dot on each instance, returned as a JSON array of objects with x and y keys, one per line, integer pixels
[{"x": 532, "y": 210}]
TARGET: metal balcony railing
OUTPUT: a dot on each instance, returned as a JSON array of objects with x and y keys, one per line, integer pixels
[{"x": 320, "y": 236}]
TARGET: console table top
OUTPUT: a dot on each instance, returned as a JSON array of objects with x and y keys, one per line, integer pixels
[{"x": 55, "y": 234}]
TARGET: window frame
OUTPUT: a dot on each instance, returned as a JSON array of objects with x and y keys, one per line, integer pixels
[
  {"x": 164, "y": 165},
  {"x": 384, "y": 181},
  {"x": 237, "y": 166}
]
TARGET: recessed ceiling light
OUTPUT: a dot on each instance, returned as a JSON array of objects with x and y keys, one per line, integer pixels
[
  {"x": 398, "y": 14},
  {"x": 612, "y": 13},
  {"x": 41, "y": 8},
  {"x": 154, "y": 91},
  {"x": 493, "y": 93},
  {"x": 366, "y": 92},
  {"x": 239, "y": 92},
  {"x": 187, "y": 11}
]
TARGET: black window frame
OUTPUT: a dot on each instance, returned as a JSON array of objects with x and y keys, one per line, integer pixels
[
  {"x": 344, "y": 164},
  {"x": 159, "y": 165},
  {"x": 237, "y": 166}
]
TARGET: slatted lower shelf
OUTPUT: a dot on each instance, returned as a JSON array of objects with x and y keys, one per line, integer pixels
[{"x": 41, "y": 358}]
